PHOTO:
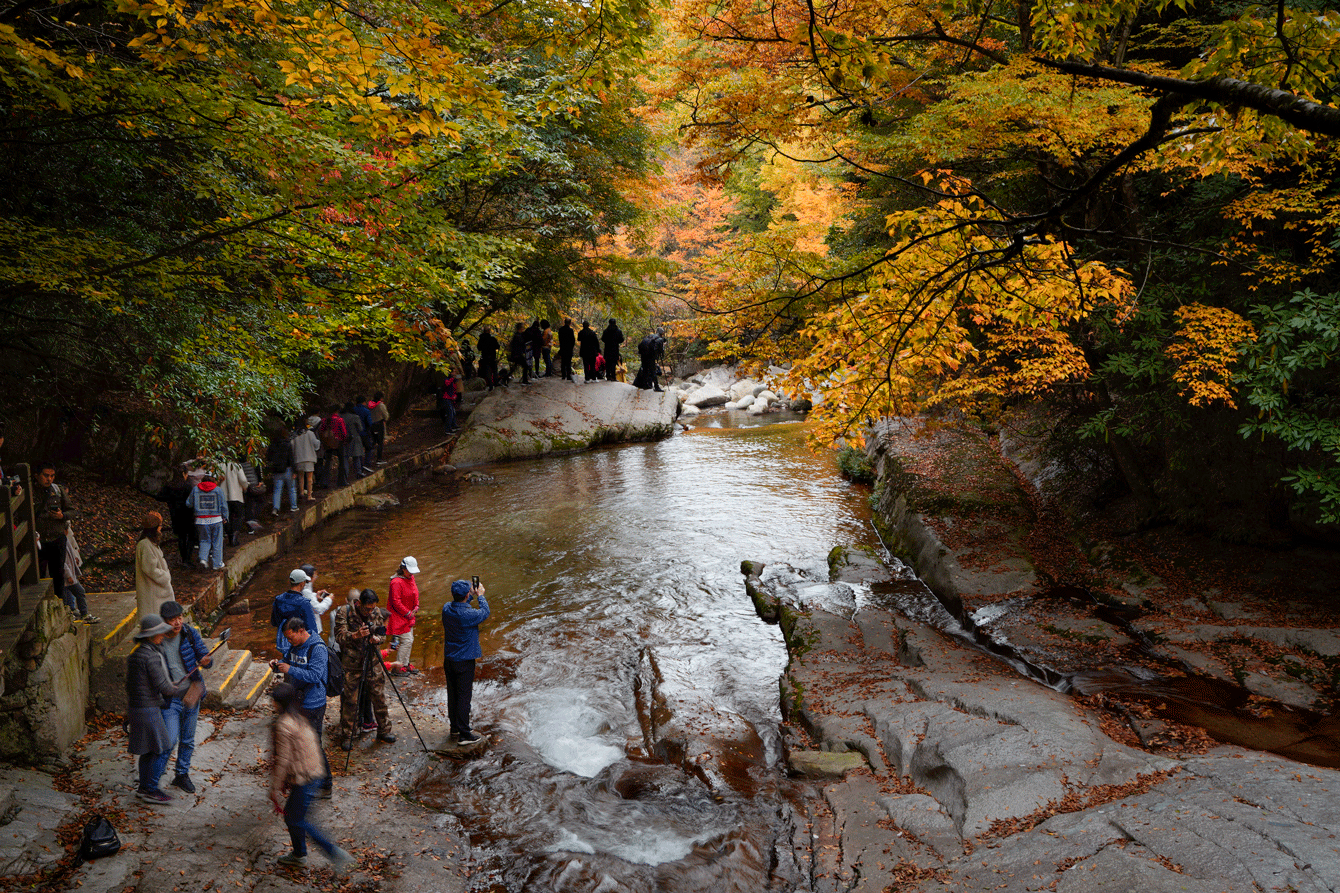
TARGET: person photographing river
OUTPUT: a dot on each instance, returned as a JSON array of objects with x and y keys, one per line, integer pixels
[{"x": 460, "y": 650}]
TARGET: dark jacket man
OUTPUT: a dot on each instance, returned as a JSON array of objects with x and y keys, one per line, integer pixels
[
  {"x": 612, "y": 338},
  {"x": 567, "y": 341},
  {"x": 488, "y": 357},
  {"x": 590, "y": 346}
]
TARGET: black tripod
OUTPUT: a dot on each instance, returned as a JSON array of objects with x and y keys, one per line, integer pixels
[{"x": 370, "y": 655}]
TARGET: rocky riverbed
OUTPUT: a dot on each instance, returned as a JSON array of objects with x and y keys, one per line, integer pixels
[{"x": 948, "y": 770}]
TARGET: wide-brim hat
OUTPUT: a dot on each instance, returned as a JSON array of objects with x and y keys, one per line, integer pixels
[
  {"x": 150, "y": 626},
  {"x": 409, "y": 564}
]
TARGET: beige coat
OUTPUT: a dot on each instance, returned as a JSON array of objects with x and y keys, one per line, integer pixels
[
  {"x": 297, "y": 757},
  {"x": 153, "y": 580}
]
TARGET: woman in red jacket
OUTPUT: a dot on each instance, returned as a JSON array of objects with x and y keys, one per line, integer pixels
[{"x": 402, "y": 605}]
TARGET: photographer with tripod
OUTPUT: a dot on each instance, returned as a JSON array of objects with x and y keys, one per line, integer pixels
[{"x": 360, "y": 628}]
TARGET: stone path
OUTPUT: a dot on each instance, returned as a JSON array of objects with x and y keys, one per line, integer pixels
[{"x": 226, "y": 837}]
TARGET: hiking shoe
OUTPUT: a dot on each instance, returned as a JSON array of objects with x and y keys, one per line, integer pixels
[
  {"x": 90, "y": 619},
  {"x": 369, "y": 727},
  {"x": 342, "y": 860},
  {"x": 292, "y": 860},
  {"x": 325, "y": 793},
  {"x": 467, "y": 738},
  {"x": 387, "y": 737},
  {"x": 184, "y": 782},
  {"x": 154, "y": 798},
  {"x": 204, "y": 565}
]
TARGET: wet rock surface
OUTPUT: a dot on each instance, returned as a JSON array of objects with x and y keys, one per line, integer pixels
[
  {"x": 997, "y": 543},
  {"x": 980, "y": 779},
  {"x": 551, "y": 416}
]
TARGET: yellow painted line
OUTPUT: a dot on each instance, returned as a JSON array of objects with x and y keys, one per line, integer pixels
[
  {"x": 251, "y": 695},
  {"x": 116, "y": 630},
  {"x": 237, "y": 665}
]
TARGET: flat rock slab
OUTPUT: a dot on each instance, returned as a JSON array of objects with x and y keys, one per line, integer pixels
[
  {"x": 30, "y": 812},
  {"x": 823, "y": 763},
  {"x": 550, "y": 416}
]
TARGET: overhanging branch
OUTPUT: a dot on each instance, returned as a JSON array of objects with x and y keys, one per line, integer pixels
[{"x": 1306, "y": 115}]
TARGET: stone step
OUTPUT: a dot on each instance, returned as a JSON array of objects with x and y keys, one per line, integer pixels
[
  {"x": 249, "y": 687},
  {"x": 120, "y": 621},
  {"x": 229, "y": 669}
]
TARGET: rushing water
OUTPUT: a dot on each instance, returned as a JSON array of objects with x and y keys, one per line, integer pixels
[{"x": 629, "y": 690}]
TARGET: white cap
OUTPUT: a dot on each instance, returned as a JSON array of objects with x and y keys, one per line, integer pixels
[
  {"x": 298, "y": 575},
  {"x": 409, "y": 564}
]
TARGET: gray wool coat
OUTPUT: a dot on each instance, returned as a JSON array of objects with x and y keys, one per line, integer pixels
[{"x": 148, "y": 691}]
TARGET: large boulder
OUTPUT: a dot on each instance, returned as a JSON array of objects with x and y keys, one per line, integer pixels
[
  {"x": 744, "y": 388},
  {"x": 553, "y": 416},
  {"x": 707, "y": 395}
]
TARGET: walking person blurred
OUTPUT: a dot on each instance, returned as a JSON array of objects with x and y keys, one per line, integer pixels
[
  {"x": 612, "y": 337},
  {"x": 296, "y": 768}
]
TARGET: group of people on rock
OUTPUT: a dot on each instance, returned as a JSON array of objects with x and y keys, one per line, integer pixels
[
  {"x": 165, "y": 686},
  {"x": 531, "y": 347}
]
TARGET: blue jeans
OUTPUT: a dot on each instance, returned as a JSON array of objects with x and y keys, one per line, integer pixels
[
  {"x": 295, "y": 816},
  {"x": 285, "y": 477},
  {"x": 211, "y": 543},
  {"x": 180, "y": 721}
]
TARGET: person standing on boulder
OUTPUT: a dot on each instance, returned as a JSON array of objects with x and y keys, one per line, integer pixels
[
  {"x": 488, "y": 357},
  {"x": 590, "y": 349},
  {"x": 612, "y": 337},
  {"x": 516, "y": 352},
  {"x": 649, "y": 350},
  {"x": 567, "y": 340},
  {"x": 460, "y": 650}
]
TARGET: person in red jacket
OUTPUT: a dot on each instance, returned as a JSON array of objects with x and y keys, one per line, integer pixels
[{"x": 402, "y": 604}]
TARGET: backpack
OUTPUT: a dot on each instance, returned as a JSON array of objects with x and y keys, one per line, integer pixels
[
  {"x": 329, "y": 433},
  {"x": 279, "y": 457},
  {"x": 334, "y": 674},
  {"x": 99, "y": 839}
]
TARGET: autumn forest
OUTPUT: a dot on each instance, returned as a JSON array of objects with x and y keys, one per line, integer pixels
[{"x": 1119, "y": 219}]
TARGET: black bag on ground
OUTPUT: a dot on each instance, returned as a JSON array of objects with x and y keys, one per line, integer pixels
[{"x": 99, "y": 839}]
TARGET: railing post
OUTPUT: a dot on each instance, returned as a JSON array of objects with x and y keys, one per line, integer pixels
[{"x": 26, "y": 518}]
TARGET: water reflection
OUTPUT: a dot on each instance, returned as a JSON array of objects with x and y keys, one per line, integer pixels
[{"x": 635, "y": 720}]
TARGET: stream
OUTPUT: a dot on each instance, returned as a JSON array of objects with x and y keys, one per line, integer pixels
[{"x": 628, "y": 689}]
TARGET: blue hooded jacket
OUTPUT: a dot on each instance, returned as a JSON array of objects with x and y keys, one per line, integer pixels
[
  {"x": 307, "y": 667},
  {"x": 291, "y": 604},
  {"x": 460, "y": 629}
]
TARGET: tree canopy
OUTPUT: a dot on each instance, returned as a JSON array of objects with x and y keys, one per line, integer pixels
[
  {"x": 207, "y": 202},
  {"x": 1114, "y": 206}
]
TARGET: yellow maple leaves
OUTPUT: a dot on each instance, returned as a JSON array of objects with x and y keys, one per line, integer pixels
[{"x": 1208, "y": 343}]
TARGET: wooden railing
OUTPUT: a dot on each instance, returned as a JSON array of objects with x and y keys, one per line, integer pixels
[{"x": 18, "y": 540}]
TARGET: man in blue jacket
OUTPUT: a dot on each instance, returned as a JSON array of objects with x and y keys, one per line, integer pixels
[
  {"x": 292, "y": 602},
  {"x": 460, "y": 650},
  {"x": 304, "y": 665},
  {"x": 185, "y": 653}
]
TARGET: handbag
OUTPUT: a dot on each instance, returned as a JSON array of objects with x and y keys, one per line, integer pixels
[
  {"x": 99, "y": 839},
  {"x": 194, "y": 693}
]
